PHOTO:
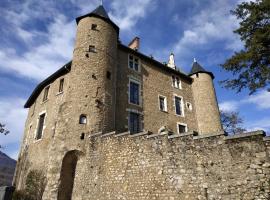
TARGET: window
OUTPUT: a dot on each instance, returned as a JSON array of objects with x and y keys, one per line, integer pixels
[
  {"x": 108, "y": 75},
  {"x": 94, "y": 27},
  {"x": 178, "y": 105},
  {"x": 181, "y": 128},
  {"x": 162, "y": 103},
  {"x": 46, "y": 93},
  {"x": 133, "y": 63},
  {"x": 61, "y": 85},
  {"x": 92, "y": 49},
  {"x": 83, "y": 119},
  {"x": 40, "y": 126},
  {"x": 189, "y": 106},
  {"x": 134, "y": 123},
  {"x": 134, "y": 90},
  {"x": 176, "y": 82}
]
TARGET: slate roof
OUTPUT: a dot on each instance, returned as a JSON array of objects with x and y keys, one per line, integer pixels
[
  {"x": 101, "y": 13},
  {"x": 197, "y": 68},
  {"x": 62, "y": 71}
]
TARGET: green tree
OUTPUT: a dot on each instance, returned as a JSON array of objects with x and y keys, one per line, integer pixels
[
  {"x": 251, "y": 66},
  {"x": 232, "y": 122}
]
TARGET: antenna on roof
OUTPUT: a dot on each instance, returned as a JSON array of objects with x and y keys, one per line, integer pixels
[
  {"x": 194, "y": 60},
  {"x": 101, "y": 2}
]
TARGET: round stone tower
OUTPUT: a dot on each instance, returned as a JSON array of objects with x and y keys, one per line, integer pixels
[
  {"x": 207, "y": 111},
  {"x": 93, "y": 72}
]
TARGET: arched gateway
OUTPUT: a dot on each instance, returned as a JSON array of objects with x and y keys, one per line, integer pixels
[{"x": 67, "y": 175}]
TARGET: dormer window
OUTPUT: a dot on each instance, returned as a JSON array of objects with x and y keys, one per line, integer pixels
[
  {"x": 176, "y": 82},
  {"x": 46, "y": 93},
  {"x": 133, "y": 63}
]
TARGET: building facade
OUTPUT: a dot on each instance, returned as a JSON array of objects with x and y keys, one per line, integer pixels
[{"x": 108, "y": 89}]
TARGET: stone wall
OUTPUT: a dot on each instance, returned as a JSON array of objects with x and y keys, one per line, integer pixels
[{"x": 173, "y": 167}]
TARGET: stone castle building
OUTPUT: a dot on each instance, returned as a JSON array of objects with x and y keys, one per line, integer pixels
[{"x": 114, "y": 123}]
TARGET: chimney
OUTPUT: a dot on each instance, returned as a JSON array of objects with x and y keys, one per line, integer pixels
[
  {"x": 135, "y": 44},
  {"x": 171, "y": 62}
]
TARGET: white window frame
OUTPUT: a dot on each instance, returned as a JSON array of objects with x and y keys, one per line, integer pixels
[
  {"x": 189, "y": 108},
  {"x": 133, "y": 67},
  {"x": 182, "y": 105},
  {"x": 165, "y": 103},
  {"x": 183, "y": 124},
  {"x": 44, "y": 126},
  {"x": 140, "y": 98}
]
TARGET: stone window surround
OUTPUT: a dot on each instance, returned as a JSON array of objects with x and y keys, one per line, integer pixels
[
  {"x": 133, "y": 79},
  {"x": 44, "y": 126},
  {"x": 165, "y": 103},
  {"x": 182, "y": 105},
  {"x": 139, "y": 63},
  {"x": 137, "y": 112},
  {"x": 183, "y": 124},
  {"x": 48, "y": 95}
]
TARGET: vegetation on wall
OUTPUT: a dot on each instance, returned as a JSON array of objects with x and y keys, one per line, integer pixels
[
  {"x": 34, "y": 187},
  {"x": 251, "y": 65},
  {"x": 3, "y": 130}
]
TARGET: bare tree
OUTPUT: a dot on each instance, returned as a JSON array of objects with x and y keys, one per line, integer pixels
[{"x": 232, "y": 122}]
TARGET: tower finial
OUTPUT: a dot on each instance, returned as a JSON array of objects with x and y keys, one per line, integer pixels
[
  {"x": 101, "y": 2},
  {"x": 194, "y": 60}
]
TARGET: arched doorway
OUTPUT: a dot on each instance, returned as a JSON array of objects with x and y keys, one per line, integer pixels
[{"x": 67, "y": 175}]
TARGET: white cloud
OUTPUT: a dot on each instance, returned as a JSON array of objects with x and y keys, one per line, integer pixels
[
  {"x": 261, "y": 124},
  {"x": 13, "y": 115},
  {"x": 229, "y": 106},
  {"x": 261, "y": 100},
  {"x": 126, "y": 13}
]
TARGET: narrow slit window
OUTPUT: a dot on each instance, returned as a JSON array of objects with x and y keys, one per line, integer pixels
[
  {"x": 46, "y": 93},
  {"x": 182, "y": 128},
  {"x": 108, "y": 75},
  {"x": 134, "y": 123},
  {"x": 178, "y": 105},
  {"x": 61, "y": 85},
  {"x": 40, "y": 126}
]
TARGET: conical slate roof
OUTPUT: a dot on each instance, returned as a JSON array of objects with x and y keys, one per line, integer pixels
[
  {"x": 101, "y": 13},
  {"x": 197, "y": 68}
]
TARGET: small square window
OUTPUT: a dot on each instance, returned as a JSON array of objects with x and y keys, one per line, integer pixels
[
  {"x": 182, "y": 128},
  {"x": 94, "y": 27},
  {"x": 92, "y": 49},
  {"x": 108, "y": 75}
]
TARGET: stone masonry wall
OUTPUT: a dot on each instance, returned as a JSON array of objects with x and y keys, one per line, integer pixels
[{"x": 174, "y": 167}]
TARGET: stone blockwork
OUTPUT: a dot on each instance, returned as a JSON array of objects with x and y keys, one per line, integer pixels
[{"x": 173, "y": 167}]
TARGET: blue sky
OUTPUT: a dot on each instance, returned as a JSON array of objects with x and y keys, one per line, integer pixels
[{"x": 37, "y": 38}]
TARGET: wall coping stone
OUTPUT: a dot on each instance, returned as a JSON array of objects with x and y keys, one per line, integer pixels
[
  {"x": 243, "y": 135},
  {"x": 140, "y": 134},
  {"x": 266, "y": 138},
  {"x": 108, "y": 134},
  {"x": 182, "y": 135},
  {"x": 218, "y": 133},
  {"x": 122, "y": 134},
  {"x": 95, "y": 134}
]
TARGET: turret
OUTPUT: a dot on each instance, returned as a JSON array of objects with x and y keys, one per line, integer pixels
[
  {"x": 93, "y": 72},
  {"x": 207, "y": 112}
]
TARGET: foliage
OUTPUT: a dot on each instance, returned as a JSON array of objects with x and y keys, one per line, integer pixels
[
  {"x": 252, "y": 64},
  {"x": 231, "y": 122},
  {"x": 3, "y": 129},
  {"x": 34, "y": 187}
]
